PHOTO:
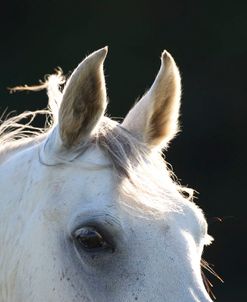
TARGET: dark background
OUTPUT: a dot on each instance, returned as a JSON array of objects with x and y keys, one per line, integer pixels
[{"x": 209, "y": 42}]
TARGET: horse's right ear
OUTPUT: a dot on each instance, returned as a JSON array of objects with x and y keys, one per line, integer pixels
[
  {"x": 83, "y": 104},
  {"x": 84, "y": 100}
]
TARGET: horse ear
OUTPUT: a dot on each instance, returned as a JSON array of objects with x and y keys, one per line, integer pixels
[
  {"x": 84, "y": 100},
  {"x": 154, "y": 119}
]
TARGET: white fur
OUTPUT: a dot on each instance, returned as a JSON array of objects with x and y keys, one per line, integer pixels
[{"x": 48, "y": 190}]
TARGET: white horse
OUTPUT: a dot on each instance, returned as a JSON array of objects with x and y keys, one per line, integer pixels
[{"x": 88, "y": 209}]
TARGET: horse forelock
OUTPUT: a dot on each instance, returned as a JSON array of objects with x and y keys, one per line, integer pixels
[{"x": 142, "y": 173}]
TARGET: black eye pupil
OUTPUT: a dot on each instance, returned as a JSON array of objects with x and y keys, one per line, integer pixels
[{"x": 90, "y": 239}]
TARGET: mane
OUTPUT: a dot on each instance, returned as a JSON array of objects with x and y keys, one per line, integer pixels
[
  {"x": 17, "y": 131},
  {"x": 130, "y": 158}
]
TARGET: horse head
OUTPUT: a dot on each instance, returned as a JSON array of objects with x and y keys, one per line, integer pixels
[{"x": 92, "y": 212}]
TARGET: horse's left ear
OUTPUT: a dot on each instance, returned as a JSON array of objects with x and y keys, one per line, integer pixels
[{"x": 154, "y": 119}]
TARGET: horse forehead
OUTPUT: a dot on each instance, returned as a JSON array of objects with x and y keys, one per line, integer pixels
[
  {"x": 91, "y": 171},
  {"x": 89, "y": 178},
  {"x": 95, "y": 156}
]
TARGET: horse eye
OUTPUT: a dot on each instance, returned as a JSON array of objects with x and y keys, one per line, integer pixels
[{"x": 91, "y": 240}]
